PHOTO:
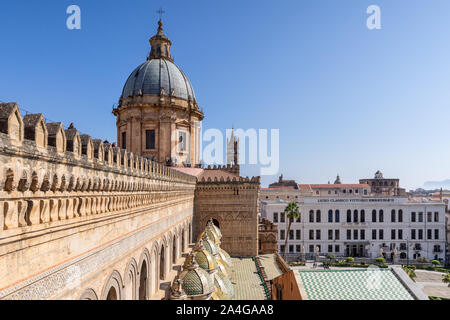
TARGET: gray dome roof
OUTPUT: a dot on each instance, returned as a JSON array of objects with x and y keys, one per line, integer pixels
[{"x": 156, "y": 74}]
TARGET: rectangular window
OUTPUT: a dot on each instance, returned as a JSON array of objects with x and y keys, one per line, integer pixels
[
  {"x": 429, "y": 234},
  {"x": 436, "y": 234},
  {"x": 291, "y": 234},
  {"x": 282, "y": 234},
  {"x": 436, "y": 217},
  {"x": 393, "y": 234},
  {"x": 400, "y": 234},
  {"x": 317, "y": 234},
  {"x": 291, "y": 248},
  {"x": 349, "y": 234},
  {"x": 420, "y": 216},
  {"x": 311, "y": 248},
  {"x": 337, "y": 235},
  {"x": 381, "y": 234},
  {"x": 337, "y": 248},
  {"x": 363, "y": 216},
  {"x": 413, "y": 217},
  {"x": 297, "y": 248},
  {"x": 318, "y": 216},
  {"x": 363, "y": 234},
  {"x": 429, "y": 217},
  {"x": 374, "y": 234},
  {"x": 182, "y": 141},
  {"x": 381, "y": 216},
  {"x": 349, "y": 216},
  {"x": 283, "y": 220},
  {"x": 311, "y": 234},
  {"x": 282, "y": 248},
  {"x": 400, "y": 215},
  {"x": 413, "y": 234},
  {"x": 337, "y": 216},
  {"x": 124, "y": 140},
  {"x": 275, "y": 217},
  {"x": 393, "y": 216},
  {"x": 150, "y": 140},
  {"x": 355, "y": 234},
  {"x": 330, "y": 234},
  {"x": 330, "y": 216},
  {"x": 330, "y": 248},
  {"x": 298, "y": 235},
  {"x": 374, "y": 216},
  {"x": 420, "y": 234}
]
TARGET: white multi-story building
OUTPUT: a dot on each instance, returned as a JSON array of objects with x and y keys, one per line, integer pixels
[{"x": 350, "y": 221}]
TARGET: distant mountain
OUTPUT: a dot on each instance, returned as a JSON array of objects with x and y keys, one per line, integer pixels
[{"x": 437, "y": 184}]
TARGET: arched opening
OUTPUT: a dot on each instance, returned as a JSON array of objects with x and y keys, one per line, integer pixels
[
  {"x": 216, "y": 223},
  {"x": 183, "y": 241},
  {"x": 143, "y": 281},
  {"x": 162, "y": 264},
  {"x": 112, "y": 294},
  {"x": 129, "y": 286},
  {"x": 174, "y": 250}
]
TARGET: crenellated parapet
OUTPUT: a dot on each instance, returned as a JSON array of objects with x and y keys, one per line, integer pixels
[
  {"x": 234, "y": 169},
  {"x": 48, "y": 174},
  {"x": 230, "y": 180}
]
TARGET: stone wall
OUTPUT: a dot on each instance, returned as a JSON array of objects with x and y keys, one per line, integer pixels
[
  {"x": 233, "y": 204},
  {"x": 80, "y": 218},
  {"x": 268, "y": 237}
]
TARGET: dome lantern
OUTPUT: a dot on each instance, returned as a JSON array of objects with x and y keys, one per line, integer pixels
[{"x": 160, "y": 45}]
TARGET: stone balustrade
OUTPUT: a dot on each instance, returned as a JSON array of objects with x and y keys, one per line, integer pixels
[{"x": 48, "y": 174}]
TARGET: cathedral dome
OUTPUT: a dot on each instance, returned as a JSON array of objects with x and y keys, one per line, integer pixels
[
  {"x": 195, "y": 280},
  {"x": 225, "y": 257},
  {"x": 224, "y": 287},
  {"x": 204, "y": 259},
  {"x": 158, "y": 77}
]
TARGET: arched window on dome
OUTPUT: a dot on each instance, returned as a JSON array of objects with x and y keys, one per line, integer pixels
[
  {"x": 158, "y": 50},
  {"x": 166, "y": 52}
]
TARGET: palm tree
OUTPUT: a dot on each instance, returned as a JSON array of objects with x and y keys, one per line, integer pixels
[
  {"x": 446, "y": 278},
  {"x": 292, "y": 212}
]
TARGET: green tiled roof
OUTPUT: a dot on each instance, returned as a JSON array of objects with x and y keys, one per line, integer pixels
[
  {"x": 366, "y": 284},
  {"x": 225, "y": 257}
]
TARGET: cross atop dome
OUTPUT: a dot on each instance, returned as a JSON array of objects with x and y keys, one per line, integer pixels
[{"x": 160, "y": 12}]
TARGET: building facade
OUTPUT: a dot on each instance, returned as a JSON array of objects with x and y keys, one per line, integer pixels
[
  {"x": 358, "y": 224},
  {"x": 383, "y": 186}
]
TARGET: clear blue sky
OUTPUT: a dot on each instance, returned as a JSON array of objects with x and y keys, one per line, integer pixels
[{"x": 346, "y": 99}]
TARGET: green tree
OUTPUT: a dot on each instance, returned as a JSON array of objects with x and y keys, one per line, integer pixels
[
  {"x": 380, "y": 260},
  {"x": 292, "y": 212},
  {"x": 446, "y": 278},
  {"x": 435, "y": 262},
  {"x": 331, "y": 256}
]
